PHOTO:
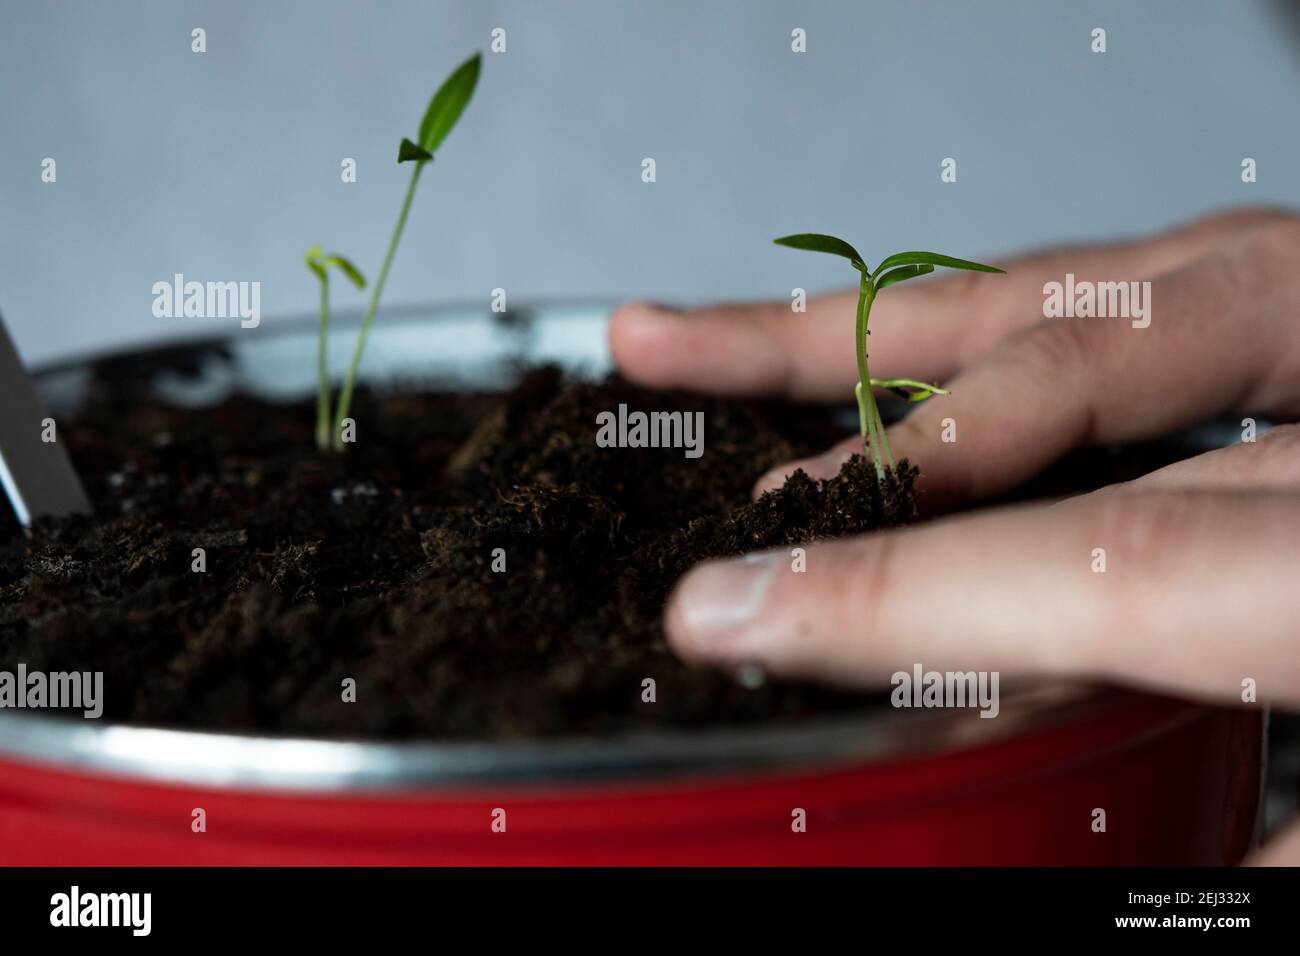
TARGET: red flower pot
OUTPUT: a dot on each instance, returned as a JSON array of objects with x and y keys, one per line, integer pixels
[{"x": 1178, "y": 782}]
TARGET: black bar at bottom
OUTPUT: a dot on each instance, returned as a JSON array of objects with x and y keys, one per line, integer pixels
[{"x": 923, "y": 905}]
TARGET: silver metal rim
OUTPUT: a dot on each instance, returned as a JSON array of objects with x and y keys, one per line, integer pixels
[{"x": 300, "y": 763}]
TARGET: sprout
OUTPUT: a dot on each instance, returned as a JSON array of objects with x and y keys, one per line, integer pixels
[
  {"x": 897, "y": 268},
  {"x": 444, "y": 110},
  {"x": 319, "y": 263}
]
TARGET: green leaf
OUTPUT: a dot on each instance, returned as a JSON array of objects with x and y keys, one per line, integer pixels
[
  {"x": 313, "y": 261},
  {"x": 408, "y": 151},
  {"x": 934, "y": 259},
  {"x": 909, "y": 388},
  {"x": 817, "y": 242},
  {"x": 347, "y": 268},
  {"x": 902, "y": 274},
  {"x": 448, "y": 103},
  {"x": 318, "y": 262}
]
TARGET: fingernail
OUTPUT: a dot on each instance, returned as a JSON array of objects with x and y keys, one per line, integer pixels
[
  {"x": 717, "y": 602},
  {"x": 651, "y": 316}
]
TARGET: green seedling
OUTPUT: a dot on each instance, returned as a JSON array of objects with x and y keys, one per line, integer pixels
[
  {"x": 319, "y": 262},
  {"x": 444, "y": 110},
  {"x": 895, "y": 269}
]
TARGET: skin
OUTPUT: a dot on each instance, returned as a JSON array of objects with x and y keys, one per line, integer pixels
[{"x": 1201, "y": 555}]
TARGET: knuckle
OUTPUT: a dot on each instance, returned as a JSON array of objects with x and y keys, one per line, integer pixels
[
  {"x": 1147, "y": 532},
  {"x": 967, "y": 290},
  {"x": 1049, "y": 351},
  {"x": 869, "y": 588},
  {"x": 1276, "y": 242}
]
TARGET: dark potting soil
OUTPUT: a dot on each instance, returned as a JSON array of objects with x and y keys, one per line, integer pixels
[{"x": 377, "y": 564}]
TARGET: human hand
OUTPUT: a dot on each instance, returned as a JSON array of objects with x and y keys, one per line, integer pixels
[{"x": 1200, "y": 590}]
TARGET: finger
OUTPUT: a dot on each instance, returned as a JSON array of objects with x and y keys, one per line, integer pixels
[
  {"x": 1268, "y": 462},
  {"x": 1271, "y": 462},
  {"x": 1220, "y": 336},
  {"x": 1018, "y": 591},
  {"x": 926, "y": 330}
]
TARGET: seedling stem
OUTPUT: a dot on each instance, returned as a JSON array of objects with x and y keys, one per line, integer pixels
[
  {"x": 872, "y": 428},
  {"x": 349, "y": 383},
  {"x": 319, "y": 263}
]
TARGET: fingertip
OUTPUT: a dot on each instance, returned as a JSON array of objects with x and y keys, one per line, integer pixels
[
  {"x": 638, "y": 333},
  {"x": 639, "y": 313},
  {"x": 712, "y": 612},
  {"x": 676, "y": 626}
]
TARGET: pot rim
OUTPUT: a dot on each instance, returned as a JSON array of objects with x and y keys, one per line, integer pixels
[
  {"x": 277, "y": 763},
  {"x": 307, "y": 323},
  {"x": 269, "y": 762}
]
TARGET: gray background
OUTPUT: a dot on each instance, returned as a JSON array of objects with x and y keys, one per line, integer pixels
[{"x": 225, "y": 165}]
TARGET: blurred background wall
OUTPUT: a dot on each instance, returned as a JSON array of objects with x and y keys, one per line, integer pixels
[{"x": 226, "y": 165}]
